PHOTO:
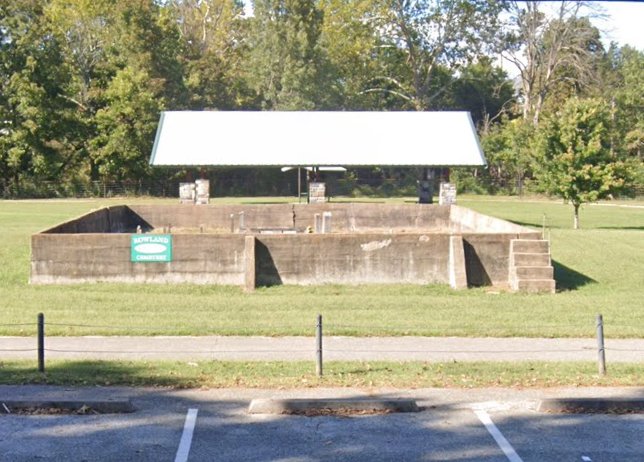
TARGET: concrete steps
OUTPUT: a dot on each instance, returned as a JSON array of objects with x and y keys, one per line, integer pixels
[{"x": 530, "y": 266}]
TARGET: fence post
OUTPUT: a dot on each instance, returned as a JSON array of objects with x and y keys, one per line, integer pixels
[
  {"x": 318, "y": 342},
  {"x": 41, "y": 342},
  {"x": 601, "y": 351}
]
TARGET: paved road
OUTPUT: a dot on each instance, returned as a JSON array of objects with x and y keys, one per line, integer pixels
[
  {"x": 453, "y": 425},
  {"x": 335, "y": 348}
]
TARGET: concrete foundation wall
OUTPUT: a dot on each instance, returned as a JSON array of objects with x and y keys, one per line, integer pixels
[
  {"x": 352, "y": 259},
  {"x": 345, "y": 217},
  {"x": 464, "y": 220},
  {"x": 118, "y": 219},
  {"x": 74, "y": 258},
  {"x": 369, "y": 243}
]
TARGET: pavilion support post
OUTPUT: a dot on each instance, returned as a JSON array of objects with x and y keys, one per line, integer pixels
[{"x": 426, "y": 186}]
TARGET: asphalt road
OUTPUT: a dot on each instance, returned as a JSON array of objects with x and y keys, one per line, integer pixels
[{"x": 213, "y": 425}]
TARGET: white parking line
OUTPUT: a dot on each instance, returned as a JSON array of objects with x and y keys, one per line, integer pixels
[
  {"x": 186, "y": 437},
  {"x": 505, "y": 446}
]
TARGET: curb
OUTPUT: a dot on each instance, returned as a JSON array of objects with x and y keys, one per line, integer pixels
[
  {"x": 331, "y": 406},
  {"x": 81, "y": 407},
  {"x": 592, "y": 405}
]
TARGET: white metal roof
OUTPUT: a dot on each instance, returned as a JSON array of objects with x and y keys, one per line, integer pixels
[{"x": 250, "y": 139}]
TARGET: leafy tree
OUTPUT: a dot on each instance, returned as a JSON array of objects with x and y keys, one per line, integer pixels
[
  {"x": 213, "y": 50},
  {"x": 485, "y": 91},
  {"x": 575, "y": 160},
  {"x": 350, "y": 40},
  {"x": 287, "y": 63},
  {"x": 126, "y": 126},
  {"x": 435, "y": 34},
  {"x": 509, "y": 147},
  {"x": 549, "y": 52},
  {"x": 32, "y": 113}
]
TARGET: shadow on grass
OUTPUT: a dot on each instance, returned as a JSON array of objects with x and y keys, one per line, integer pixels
[
  {"x": 569, "y": 279},
  {"x": 628, "y": 228},
  {"x": 94, "y": 373}
]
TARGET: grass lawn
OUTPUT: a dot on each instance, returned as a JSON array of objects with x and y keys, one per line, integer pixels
[
  {"x": 226, "y": 374},
  {"x": 599, "y": 269}
]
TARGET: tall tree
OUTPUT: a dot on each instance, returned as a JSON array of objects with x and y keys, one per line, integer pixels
[
  {"x": 434, "y": 35},
  {"x": 32, "y": 113},
  {"x": 549, "y": 50},
  {"x": 213, "y": 51},
  {"x": 485, "y": 91},
  {"x": 575, "y": 160},
  {"x": 350, "y": 39},
  {"x": 287, "y": 64}
]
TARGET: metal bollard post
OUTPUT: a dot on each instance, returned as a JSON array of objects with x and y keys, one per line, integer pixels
[
  {"x": 601, "y": 351},
  {"x": 41, "y": 342},
  {"x": 318, "y": 342}
]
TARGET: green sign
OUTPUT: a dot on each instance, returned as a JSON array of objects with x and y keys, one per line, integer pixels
[{"x": 151, "y": 248}]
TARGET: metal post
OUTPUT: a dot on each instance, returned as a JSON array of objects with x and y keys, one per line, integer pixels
[
  {"x": 41, "y": 342},
  {"x": 318, "y": 342},
  {"x": 601, "y": 352},
  {"x": 299, "y": 185}
]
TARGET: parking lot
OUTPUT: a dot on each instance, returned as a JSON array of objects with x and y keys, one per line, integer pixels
[{"x": 213, "y": 425}]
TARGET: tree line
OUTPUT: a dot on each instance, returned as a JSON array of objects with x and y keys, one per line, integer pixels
[{"x": 84, "y": 81}]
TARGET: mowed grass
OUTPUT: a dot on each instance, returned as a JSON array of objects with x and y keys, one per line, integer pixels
[
  {"x": 599, "y": 269},
  {"x": 301, "y": 374}
]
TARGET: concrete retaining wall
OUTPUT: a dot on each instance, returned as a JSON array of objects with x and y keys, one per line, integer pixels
[
  {"x": 369, "y": 243},
  {"x": 345, "y": 217},
  {"x": 118, "y": 219},
  {"x": 74, "y": 258},
  {"x": 352, "y": 259}
]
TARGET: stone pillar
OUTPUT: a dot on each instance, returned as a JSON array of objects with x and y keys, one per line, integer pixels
[
  {"x": 317, "y": 192},
  {"x": 447, "y": 194}
]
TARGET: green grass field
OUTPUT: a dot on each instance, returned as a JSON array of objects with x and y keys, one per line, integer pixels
[
  {"x": 599, "y": 269},
  {"x": 301, "y": 374}
]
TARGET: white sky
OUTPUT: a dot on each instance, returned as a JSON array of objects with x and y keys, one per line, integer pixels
[{"x": 624, "y": 23}]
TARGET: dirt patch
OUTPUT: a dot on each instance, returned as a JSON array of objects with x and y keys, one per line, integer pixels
[
  {"x": 343, "y": 412},
  {"x": 83, "y": 410}
]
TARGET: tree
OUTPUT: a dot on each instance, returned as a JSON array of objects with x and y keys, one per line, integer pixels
[
  {"x": 434, "y": 35},
  {"x": 508, "y": 147},
  {"x": 350, "y": 40},
  {"x": 287, "y": 63},
  {"x": 213, "y": 49},
  {"x": 485, "y": 91},
  {"x": 33, "y": 116},
  {"x": 549, "y": 51},
  {"x": 575, "y": 160}
]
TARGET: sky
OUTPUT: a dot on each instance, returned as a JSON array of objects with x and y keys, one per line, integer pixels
[{"x": 624, "y": 23}]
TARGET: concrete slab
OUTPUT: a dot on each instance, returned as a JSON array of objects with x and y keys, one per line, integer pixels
[
  {"x": 302, "y": 406},
  {"x": 592, "y": 405}
]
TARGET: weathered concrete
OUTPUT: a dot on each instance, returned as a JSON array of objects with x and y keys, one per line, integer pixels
[
  {"x": 592, "y": 405},
  {"x": 74, "y": 258},
  {"x": 366, "y": 243},
  {"x": 250, "y": 268},
  {"x": 303, "y": 406},
  {"x": 457, "y": 268},
  {"x": 352, "y": 259}
]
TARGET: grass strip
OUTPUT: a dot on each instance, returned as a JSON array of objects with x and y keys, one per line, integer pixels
[{"x": 259, "y": 374}]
